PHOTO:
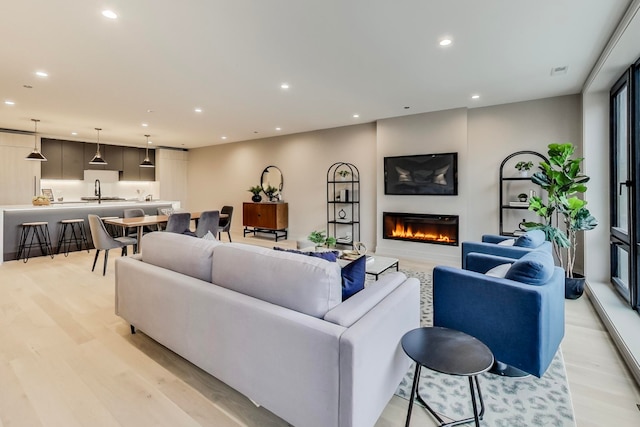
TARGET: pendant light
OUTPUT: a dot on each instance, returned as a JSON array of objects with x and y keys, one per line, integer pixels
[
  {"x": 146, "y": 163},
  {"x": 97, "y": 159},
  {"x": 35, "y": 154}
]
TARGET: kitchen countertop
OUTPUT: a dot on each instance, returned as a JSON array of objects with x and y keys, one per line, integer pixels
[
  {"x": 82, "y": 204},
  {"x": 11, "y": 216}
]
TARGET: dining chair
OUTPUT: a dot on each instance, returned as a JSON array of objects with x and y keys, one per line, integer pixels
[
  {"x": 102, "y": 240},
  {"x": 209, "y": 221},
  {"x": 136, "y": 213},
  {"x": 225, "y": 223},
  {"x": 179, "y": 223}
]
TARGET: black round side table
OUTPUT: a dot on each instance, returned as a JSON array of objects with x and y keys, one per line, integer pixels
[{"x": 449, "y": 352}]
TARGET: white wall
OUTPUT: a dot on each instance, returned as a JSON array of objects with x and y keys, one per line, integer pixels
[
  {"x": 495, "y": 132},
  {"x": 171, "y": 175},
  {"x": 221, "y": 175},
  {"x": 439, "y": 132},
  {"x": 483, "y": 137},
  {"x": 17, "y": 175},
  {"x": 596, "y": 165}
]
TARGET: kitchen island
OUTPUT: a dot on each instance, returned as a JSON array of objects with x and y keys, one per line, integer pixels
[{"x": 11, "y": 218}]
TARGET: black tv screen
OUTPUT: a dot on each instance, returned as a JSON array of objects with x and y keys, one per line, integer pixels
[{"x": 425, "y": 174}]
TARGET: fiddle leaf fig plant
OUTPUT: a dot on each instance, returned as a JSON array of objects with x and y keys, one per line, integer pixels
[{"x": 563, "y": 214}]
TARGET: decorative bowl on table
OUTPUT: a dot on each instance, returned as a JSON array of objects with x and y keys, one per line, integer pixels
[{"x": 40, "y": 201}]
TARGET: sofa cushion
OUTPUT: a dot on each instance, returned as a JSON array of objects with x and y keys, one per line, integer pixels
[
  {"x": 507, "y": 242},
  {"x": 179, "y": 252},
  {"x": 302, "y": 283},
  {"x": 534, "y": 268},
  {"x": 353, "y": 274},
  {"x": 530, "y": 239}
]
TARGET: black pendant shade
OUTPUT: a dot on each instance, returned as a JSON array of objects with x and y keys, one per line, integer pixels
[
  {"x": 36, "y": 154},
  {"x": 97, "y": 159},
  {"x": 146, "y": 163}
]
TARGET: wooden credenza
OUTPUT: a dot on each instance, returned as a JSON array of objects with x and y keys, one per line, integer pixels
[{"x": 267, "y": 217}]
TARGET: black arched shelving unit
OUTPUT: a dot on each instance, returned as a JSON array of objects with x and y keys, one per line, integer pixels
[
  {"x": 343, "y": 203},
  {"x": 511, "y": 185}
]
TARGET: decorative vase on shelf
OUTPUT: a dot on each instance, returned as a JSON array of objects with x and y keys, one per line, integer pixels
[
  {"x": 524, "y": 174},
  {"x": 256, "y": 198}
]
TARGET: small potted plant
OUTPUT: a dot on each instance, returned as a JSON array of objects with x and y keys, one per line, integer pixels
[
  {"x": 344, "y": 174},
  {"x": 256, "y": 190},
  {"x": 319, "y": 238},
  {"x": 271, "y": 192},
  {"x": 524, "y": 167}
]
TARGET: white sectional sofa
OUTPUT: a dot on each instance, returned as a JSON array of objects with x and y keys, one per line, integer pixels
[{"x": 272, "y": 325}]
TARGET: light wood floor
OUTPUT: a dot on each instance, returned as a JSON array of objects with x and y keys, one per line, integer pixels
[{"x": 67, "y": 360}]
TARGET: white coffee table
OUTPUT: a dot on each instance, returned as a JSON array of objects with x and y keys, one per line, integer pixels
[{"x": 376, "y": 265}]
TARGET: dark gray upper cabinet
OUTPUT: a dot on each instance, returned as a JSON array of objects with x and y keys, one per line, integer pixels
[
  {"x": 52, "y": 150},
  {"x": 115, "y": 154},
  {"x": 72, "y": 160},
  {"x": 69, "y": 160}
]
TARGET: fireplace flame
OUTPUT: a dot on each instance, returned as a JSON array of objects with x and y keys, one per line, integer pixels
[{"x": 407, "y": 233}]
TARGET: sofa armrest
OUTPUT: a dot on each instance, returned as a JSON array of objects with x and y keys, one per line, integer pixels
[
  {"x": 349, "y": 311},
  {"x": 372, "y": 362},
  {"x": 481, "y": 263},
  {"x": 494, "y": 238},
  {"x": 513, "y": 252}
]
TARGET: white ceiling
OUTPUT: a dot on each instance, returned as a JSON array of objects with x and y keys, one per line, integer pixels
[{"x": 229, "y": 57}]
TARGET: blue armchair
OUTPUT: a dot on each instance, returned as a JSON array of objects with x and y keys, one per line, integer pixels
[
  {"x": 522, "y": 245},
  {"x": 519, "y": 317}
]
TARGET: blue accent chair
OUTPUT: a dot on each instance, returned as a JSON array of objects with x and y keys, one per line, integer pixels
[
  {"x": 529, "y": 241},
  {"x": 522, "y": 323}
]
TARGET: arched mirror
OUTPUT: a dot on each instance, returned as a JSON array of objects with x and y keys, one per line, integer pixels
[{"x": 271, "y": 179}]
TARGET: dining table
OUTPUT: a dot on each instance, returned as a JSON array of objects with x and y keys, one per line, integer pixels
[{"x": 141, "y": 221}]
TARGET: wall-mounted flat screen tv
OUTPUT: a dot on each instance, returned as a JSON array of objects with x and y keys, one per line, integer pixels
[{"x": 425, "y": 174}]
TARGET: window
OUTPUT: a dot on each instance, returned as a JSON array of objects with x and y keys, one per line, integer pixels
[{"x": 624, "y": 188}]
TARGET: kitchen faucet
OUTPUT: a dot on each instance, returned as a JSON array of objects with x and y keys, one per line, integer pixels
[{"x": 97, "y": 191}]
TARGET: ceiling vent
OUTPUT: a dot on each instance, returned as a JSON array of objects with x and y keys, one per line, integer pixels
[{"x": 557, "y": 71}]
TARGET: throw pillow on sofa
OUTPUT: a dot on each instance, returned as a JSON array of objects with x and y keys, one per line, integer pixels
[
  {"x": 530, "y": 239},
  {"x": 353, "y": 274},
  {"x": 535, "y": 268},
  {"x": 353, "y": 277}
]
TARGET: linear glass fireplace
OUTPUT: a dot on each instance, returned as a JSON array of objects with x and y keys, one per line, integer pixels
[{"x": 425, "y": 228}]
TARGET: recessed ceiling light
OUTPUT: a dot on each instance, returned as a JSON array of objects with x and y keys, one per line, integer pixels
[
  {"x": 198, "y": 110},
  {"x": 284, "y": 86},
  {"x": 355, "y": 116},
  {"x": 41, "y": 74},
  {"x": 445, "y": 42},
  {"x": 224, "y": 137},
  {"x": 109, "y": 14},
  {"x": 74, "y": 133},
  {"x": 9, "y": 102},
  {"x": 278, "y": 128},
  {"x": 150, "y": 142},
  {"x": 149, "y": 111},
  {"x": 144, "y": 125},
  {"x": 475, "y": 96}
]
